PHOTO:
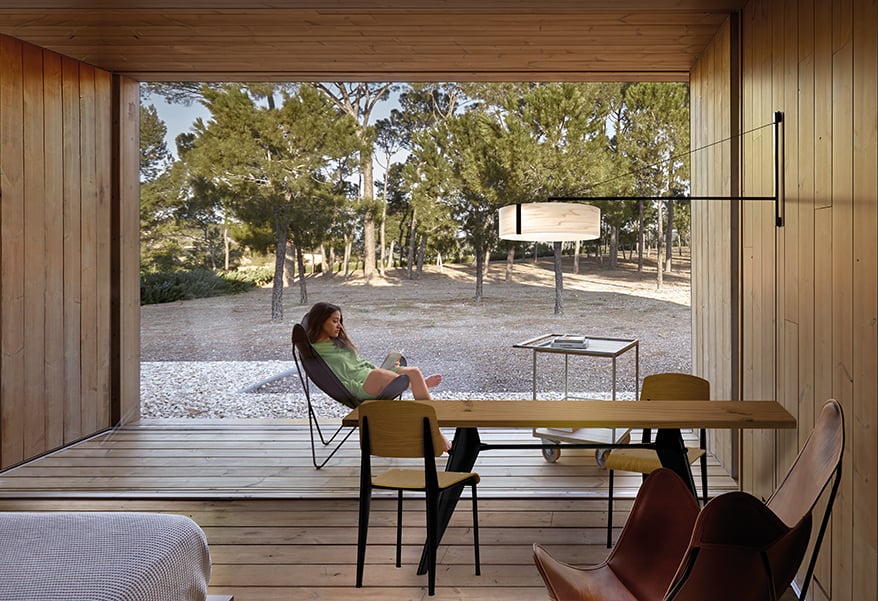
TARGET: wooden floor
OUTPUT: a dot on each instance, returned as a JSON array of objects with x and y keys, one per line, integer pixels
[{"x": 280, "y": 530}]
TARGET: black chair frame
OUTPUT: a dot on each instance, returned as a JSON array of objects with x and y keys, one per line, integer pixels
[
  {"x": 431, "y": 494},
  {"x": 312, "y": 368}
]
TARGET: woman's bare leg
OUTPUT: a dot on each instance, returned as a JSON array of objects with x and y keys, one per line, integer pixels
[
  {"x": 378, "y": 380},
  {"x": 419, "y": 385}
]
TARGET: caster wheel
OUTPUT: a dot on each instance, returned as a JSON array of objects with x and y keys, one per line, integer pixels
[{"x": 551, "y": 454}]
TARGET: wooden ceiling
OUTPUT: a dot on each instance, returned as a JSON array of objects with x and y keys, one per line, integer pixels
[{"x": 363, "y": 40}]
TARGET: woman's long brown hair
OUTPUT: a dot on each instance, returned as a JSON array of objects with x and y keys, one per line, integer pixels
[{"x": 317, "y": 316}]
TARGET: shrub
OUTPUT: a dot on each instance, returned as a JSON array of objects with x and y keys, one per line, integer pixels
[{"x": 167, "y": 287}]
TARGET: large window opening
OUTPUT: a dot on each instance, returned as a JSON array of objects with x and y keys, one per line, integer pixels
[{"x": 259, "y": 200}]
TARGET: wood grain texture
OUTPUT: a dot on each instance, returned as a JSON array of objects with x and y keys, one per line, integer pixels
[{"x": 482, "y": 40}]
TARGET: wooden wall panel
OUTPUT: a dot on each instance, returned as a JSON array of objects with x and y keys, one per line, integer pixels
[
  {"x": 864, "y": 411},
  {"x": 12, "y": 365},
  {"x": 103, "y": 134},
  {"x": 810, "y": 290},
  {"x": 54, "y": 283},
  {"x": 55, "y": 247},
  {"x": 759, "y": 239},
  {"x": 34, "y": 250},
  {"x": 842, "y": 272},
  {"x": 72, "y": 291},
  {"x": 712, "y": 259},
  {"x": 127, "y": 263}
]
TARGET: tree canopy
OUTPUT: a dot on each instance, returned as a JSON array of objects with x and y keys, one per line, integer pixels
[{"x": 286, "y": 170}]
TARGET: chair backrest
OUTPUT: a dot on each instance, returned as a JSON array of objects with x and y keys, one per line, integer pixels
[
  {"x": 766, "y": 542},
  {"x": 655, "y": 535},
  {"x": 818, "y": 462},
  {"x": 739, "y": 550},
  {"x": 815, "y": 465},
  {"x": 397, "y": 428},
  {"x": 317, "y": 370},
  {"x": 674, "y": 387}
]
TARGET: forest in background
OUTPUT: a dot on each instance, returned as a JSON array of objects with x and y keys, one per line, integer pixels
[{"x": 279, "y": 181}]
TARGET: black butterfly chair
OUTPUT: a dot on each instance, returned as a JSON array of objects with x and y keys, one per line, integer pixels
[{"x": 312, "y": 364}]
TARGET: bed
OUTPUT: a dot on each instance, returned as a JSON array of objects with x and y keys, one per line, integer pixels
[{"x": 102, "y": 556}]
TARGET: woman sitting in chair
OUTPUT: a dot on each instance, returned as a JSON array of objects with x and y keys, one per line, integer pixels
[{"x": 325, "y": 327}]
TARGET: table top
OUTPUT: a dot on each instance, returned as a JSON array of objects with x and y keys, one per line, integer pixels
[
  {"x": 606, "y": 414},
  {"x": 598, "y": 346}
]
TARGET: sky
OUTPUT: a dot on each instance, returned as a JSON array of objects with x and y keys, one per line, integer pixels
[{"x": 179, "y": 119}]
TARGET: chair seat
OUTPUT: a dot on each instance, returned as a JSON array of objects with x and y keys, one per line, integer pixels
[
  {"x": 414, "y": 479},
  {"x": 644, "y": 461},
  {"x": 566, "y": 582}
]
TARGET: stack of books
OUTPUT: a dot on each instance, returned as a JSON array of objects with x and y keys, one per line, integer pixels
[{"x": 578, "y": 342}]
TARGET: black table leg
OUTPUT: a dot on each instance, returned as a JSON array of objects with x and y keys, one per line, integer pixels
[
  {"x": 464, "y": 451},
  {"x": 672, "y": 453}
]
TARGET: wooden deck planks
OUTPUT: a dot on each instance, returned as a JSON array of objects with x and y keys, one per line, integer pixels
[{"x": 280, "y": 530}]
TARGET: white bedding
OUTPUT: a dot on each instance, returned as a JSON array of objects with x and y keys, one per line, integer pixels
[{"x": 92, "y": 556}]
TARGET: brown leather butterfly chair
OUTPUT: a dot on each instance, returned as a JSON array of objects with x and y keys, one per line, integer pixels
[
  {"x": 744, "y": 549},
  {"x": 659, "y": 387},
  {"x": 312, "y": 368},
  {"x": 407, "y": 429},
  {"x": 739, "y": 548}
]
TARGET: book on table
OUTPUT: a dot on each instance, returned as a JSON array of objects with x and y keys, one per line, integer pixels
[{"x": 570, "y": 341}]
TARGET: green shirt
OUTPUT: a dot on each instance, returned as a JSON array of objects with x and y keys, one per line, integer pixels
[{"x": 351, "y": 369}]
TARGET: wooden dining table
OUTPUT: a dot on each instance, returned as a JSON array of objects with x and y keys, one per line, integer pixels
[{"x": 668, "y": 418}]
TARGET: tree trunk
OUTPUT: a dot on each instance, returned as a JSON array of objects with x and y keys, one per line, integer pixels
[
  {"x": 390, "y": 252},
  {"x": 290, "y": 264},
  {"x": 368, "y": 219},
  {"x": 330, "y": 263},
  {"x": 658, "y": 246},
  {"x": 577, "y": 248},
  {"x": 510, "y": 262},
  {"x": 422, "y": 253},
  {"x": 382, "y": 262},
  {"x": 669, "y": 242},
  {"x": 227, "y": 246},
  {"x": 614, "y": 247},
  {"x": 303, "y": 282},
  {"x": 277, "y": 286},
  {"x": 411, "y": 256},
  {"x": 640, "y": 224},
  {"x": 480, "y": 278},
  {"x": 559, "y": 280},
  {"x": 348, "y": 246}
]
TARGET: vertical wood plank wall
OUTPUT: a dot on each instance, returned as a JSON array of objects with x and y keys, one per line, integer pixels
[
  {"x": 713, "y": 271},
  {"x": 56, "y": 298},
  {"x": 809, "y": 290}
]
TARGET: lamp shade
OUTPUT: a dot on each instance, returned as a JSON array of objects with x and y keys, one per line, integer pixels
[{"x": 550, "y": 222}]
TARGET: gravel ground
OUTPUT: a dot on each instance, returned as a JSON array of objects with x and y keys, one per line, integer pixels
[{"x": 224, "y": 357}]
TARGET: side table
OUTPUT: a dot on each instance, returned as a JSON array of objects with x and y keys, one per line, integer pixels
[{"x": 567, "y": 345}]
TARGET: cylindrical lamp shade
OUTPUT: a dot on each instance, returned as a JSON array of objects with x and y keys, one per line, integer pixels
[{"x": 550, "y": 222}]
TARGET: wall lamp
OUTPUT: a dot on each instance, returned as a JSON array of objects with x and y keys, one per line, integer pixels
[{"x": 564, "y": 219}]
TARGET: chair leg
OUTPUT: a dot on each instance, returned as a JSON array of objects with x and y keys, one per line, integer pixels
[
  {"x": 314, "y": 424},
  {"x": 476, "y": 531},
  {"x": 432, "y": 533},
  {"x": 704, "y": 476},
  {"x": 362, "y": 531},
  {"x": 610, "y": 511},
  {"x": 399, "y": 528}
]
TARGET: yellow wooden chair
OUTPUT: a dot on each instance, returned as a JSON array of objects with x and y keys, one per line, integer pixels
[
  {"x": 407, "y": 429},
  {"x": 659, "y": 387}
]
